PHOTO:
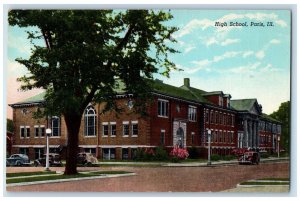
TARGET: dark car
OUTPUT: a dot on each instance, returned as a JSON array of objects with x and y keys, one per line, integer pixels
[
  {"x": 249, "y": 157},
  {"x": 54, "y": 160},
  {"x": 17, "y": 160},
  {"x": 86, "y": 159}
]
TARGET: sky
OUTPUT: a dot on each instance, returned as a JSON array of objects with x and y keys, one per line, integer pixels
[{"x": 244, "y": 61}]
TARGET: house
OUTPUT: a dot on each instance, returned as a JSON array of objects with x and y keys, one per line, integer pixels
[{"x": 178, "y": 116}]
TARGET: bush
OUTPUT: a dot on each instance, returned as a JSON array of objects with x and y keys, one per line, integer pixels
[
  {"x": 179, "y": 153},
  {"x": 229, "y": 157},
  {"x": 215, "y": 157},
  {"x": 264, "y": 155},
  {"x": 194, "y": 153},
  {"x": 161, "y": 154}
]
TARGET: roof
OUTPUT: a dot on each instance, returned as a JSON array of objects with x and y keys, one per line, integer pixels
[
  {"x": 243, "y": 104},
  {"x": 37, "y": 98},
  {"x": 267, "y": 117}
]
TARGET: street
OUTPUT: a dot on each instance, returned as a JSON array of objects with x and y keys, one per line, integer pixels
[{"x": 163, "y": 179}]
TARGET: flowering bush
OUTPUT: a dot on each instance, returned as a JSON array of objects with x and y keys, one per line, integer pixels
[{"x": 179, "y": 154}]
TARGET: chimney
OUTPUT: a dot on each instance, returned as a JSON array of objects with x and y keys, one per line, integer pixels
[{"x": 186, "y": 82}]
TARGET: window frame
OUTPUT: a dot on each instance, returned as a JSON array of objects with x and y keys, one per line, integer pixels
[{"x": 163, "y": 108}]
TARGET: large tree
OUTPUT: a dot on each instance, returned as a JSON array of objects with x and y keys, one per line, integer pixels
[
  {"x": 85, "y": 52},
  {"x": 283, "y": 115}
]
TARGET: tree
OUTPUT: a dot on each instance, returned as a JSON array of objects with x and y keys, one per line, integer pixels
[
  {"x": 85, "y": 52},
  {"x": 9, "y": 125},
  {"x": 283, "y": 115}
]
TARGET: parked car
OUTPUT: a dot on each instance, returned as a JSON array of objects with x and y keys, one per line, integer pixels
[
  {"x": 86, "y": 159},
  {"x": 249, "y": 157},
  {"x": 17, "y": 160},
  {"x": 54, "y": 160}
]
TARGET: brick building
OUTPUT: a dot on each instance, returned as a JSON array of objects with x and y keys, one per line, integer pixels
[{"x": 177, "y": 116}]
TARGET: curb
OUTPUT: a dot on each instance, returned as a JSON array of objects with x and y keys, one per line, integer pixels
[{"x": 71, "y": 179}]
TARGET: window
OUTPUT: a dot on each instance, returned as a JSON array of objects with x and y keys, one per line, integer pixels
[
  {"x": 135, "y": 128},
  {"x": 162, "y": 137},
  {"x": 105, "y": 129},
  {"x": 221, "y": 118},
  {"x": 42, "y": 131},
  {"x": 125, "y": 154},
  {"x": 22, "y": 131},
  {"x": 90, "y": 150},
  {"x": 27, "y": 131},
  {"x": 38, "y": 153},
  {"x": 24, "y": 151},
  {"x": 36, "y": 131},
  {"x": 220, "y": 136},
  {"x": 90, "y": 121},
  {"x": 55, "y": 124},
  {"x": 113, "y": 129},
  {"x": 192, "y": 113},
  {"x": 125, "y": 128},
  {"x": 232, "y": 121},
  {"x": 163, "y": 108},
  {"x": 221, "y": 101},
  {"x": 108, "y": 153},
  {"x": 193, "y": 137},
  {"x": 217, "y": 117},
  {"x": 39, "y": 131},
  {"x": 211, "y": 117},
  {"x": 207, "y": 116}
]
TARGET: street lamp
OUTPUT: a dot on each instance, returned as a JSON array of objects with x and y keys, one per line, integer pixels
[
  {"x": 48, "y": 133},
  {"x": 278, "y": 144},
  {"x": 209, "y": 140}
]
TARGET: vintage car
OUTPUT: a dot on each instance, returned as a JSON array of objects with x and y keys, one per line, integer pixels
[
  {"x": 86, "y": 159},
  {"x": 17, "y": 160},
  {"x": 54, "y": 160},
  {"x": 249, "y": 157}
]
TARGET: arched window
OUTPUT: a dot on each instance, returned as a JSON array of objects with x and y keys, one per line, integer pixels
[
  {"x": 55, "y": 126},
  {"x": 90, "y": 121}
]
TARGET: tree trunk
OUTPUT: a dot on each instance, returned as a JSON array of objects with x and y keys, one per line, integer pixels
[{"x": 73, "y": 122}]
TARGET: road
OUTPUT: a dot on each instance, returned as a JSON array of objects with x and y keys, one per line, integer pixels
[{"x": 164, "y": 179}]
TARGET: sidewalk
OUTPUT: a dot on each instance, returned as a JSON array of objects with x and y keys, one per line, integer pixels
[{"x": 187, "y": 164}]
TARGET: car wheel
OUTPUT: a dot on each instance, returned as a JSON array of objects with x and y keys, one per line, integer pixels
[{"x": 18, "y": 163}]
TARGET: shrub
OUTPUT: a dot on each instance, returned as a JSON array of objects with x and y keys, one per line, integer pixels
[
  {"x": 179, "y": 153},
  {"x": 229, "y": 157},
  {"x": 161, "y": 154},
  {"x": 264, "y": 155},
  {"x": 194, "y": 153},
  {"x": 215, "y": 157}
]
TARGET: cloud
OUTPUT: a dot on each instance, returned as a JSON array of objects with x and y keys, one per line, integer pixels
[
  {"x": 269, "y": 68},
  {"x": 226, "y": 55},
  {"x": 207, "y": 23},
  {"x": 260, "y": 54},
  {"x": 188, "y": 49},
  {"x": 247, "y": 54},
  {"x": 229, "y": 41},
  {"x": 15, "y": 69},
  {"x": 211, "y": 41},
  {"x": 245, "y": 69},
  {"x": 275, "y": 41}
]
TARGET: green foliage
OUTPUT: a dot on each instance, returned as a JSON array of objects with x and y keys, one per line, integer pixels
[
  {"x": 215, "y": 157},
  {"x": 194, "y": 152},
  {"x": 265, "y": 155},
  {"x": 150, "y": 155},
  {"x": 87, "y": 54},
  {"x": 283, "y": 115},
  {"x": 86, "y": 50},
  {"x": 228, "y": 157},
  {"x": 161, "y": 154},
  {"x": 10, "y": 125}
]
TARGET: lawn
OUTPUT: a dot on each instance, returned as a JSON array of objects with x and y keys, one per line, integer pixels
[{"x": 41, "y": 177}]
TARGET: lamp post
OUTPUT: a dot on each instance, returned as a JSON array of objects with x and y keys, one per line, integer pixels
[
  {"x": 209, "y": 140},
  {"x": 278, "y": 144},
  {"x": 48, "y": 133}
]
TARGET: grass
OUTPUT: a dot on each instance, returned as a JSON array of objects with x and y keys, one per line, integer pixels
[
  {"x": 58, "y": 176},
  {"x": 22, "y": 174},
  {"x": 264, "y": 183},
  {"x": 275, "y": 179}
]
